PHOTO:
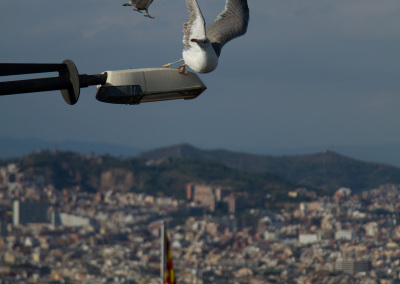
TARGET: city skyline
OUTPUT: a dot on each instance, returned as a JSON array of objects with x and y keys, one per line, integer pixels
[{"x": 114, "y": 235}]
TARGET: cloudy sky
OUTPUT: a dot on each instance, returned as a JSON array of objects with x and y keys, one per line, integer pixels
[{"x": 307, "y": 73}]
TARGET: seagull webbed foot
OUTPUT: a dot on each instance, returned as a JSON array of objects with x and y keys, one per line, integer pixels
[
  {"x": 182, "y": 69},
  {"x": 148, "y": 15},
  {"x": 137, "y": 10}
]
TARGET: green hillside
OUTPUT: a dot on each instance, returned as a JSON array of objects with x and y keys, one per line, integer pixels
[
  {"x": 166, "y": 177},
  {"x": 326, "y": 170}
]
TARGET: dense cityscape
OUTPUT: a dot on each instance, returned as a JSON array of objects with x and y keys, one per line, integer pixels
[{"x": 67, "y": 235}]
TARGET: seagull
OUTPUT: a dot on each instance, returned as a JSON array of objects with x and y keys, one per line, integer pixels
[
  {"x": 140, "y": 5},
  {"x": 202, "y": 47}
]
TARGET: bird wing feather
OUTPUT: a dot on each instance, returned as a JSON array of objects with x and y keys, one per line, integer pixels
[
  {"x": 230, "y": 24},
  {"x": 195, "y": 27}
]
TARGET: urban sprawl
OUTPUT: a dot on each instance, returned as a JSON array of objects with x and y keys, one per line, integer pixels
[{"x": 67, "y": 235}]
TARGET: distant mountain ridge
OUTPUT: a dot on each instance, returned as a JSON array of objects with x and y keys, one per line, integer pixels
[
  {"x": 326, "y": 170},
  {"x": 172, "y": 167},
  {"x": 16, "y": 147}
]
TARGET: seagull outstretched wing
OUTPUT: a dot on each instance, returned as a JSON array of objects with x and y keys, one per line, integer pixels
[
  {"x": 195, "y": 27},
  {"x": 231, "y": 23}
]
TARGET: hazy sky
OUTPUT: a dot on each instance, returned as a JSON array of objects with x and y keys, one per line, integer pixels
[{"x": 307, "y": 73}]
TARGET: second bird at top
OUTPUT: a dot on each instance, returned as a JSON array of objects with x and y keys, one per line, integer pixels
[{"x": 140, "y": 5}]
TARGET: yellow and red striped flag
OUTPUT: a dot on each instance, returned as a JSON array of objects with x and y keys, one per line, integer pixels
[{"x": 169, "y": 275}]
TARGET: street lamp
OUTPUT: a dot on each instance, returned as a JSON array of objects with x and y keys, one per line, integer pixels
[{"x": 132, "y": 86}]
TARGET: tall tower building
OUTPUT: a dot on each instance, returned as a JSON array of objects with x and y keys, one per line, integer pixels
[{"x": 30, "y": 212}]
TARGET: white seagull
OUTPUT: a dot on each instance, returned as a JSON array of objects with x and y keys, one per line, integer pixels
[
  {"x": 202, "y": 47},
  {"x": 140, "y": 5}
]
